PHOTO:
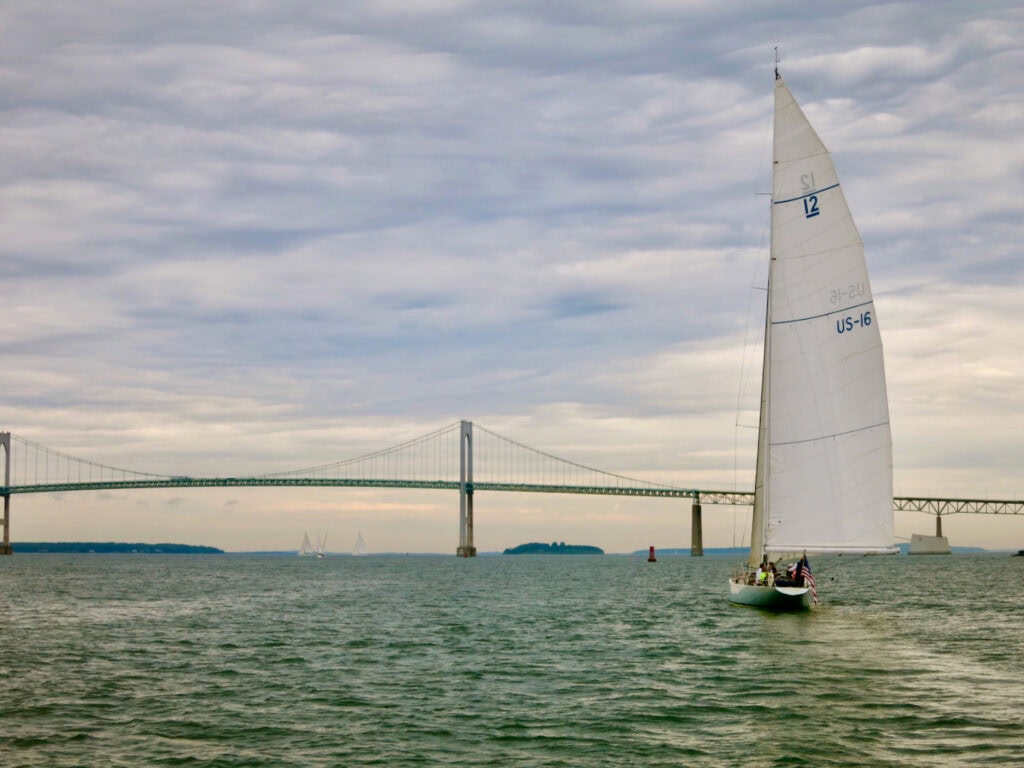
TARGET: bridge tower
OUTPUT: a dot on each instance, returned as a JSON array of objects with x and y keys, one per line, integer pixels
[
  {"x": 466, "y": 548},
  {"x": 696, "y": 529},
  {"x": 5, "y": 441}
]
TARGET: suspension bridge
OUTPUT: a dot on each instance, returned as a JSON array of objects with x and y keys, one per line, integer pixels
[{"x": 461, "y": 457}]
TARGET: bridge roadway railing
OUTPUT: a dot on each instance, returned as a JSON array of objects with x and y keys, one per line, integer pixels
[
  {"x": 502, "y": 465},
  {"x": 229, "y": 482},
  {"x": 935, "y": 506},
  {"x": 310, "y": 482},
  {"x": 926, "y": 504}
]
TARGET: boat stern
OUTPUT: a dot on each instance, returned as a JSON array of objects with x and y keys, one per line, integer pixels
[{"x": 774, "y": 598}]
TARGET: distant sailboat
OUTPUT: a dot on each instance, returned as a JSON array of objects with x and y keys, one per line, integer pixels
[
  {"x": 824, "y": 450},
  {"x": 308, "y": 550},
  {"x": 360, "y": 548}
]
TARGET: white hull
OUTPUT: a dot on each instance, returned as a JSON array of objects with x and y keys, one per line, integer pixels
[{"x": 777, "y": 598}]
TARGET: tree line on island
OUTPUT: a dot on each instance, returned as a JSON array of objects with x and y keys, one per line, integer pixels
[
  {"x": 554, "y": 548},
  {"x": 114, "y": 547}
]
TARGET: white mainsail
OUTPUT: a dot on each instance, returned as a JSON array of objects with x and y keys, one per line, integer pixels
[
  {"x": 307, "y": 548},
  {"x": 825, "y": 456},
  {"x": 360, "y": 548}
]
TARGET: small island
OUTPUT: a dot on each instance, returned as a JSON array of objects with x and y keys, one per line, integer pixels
[
  {"x": 554, "y": 548},
  {"x": 114, "y": 547}
]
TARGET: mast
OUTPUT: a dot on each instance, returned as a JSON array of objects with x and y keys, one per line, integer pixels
[
  {"x": 757, "y": 523},
  {"x": 761, "y": 468}
]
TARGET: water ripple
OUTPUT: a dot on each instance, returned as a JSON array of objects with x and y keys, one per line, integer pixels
[{"x": 532, "y": 661}]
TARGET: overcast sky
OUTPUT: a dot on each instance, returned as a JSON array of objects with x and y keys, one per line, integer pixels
[{"x": 253, "y": 236}]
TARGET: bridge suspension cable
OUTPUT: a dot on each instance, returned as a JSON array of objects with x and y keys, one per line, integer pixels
[
  {"x": 499, "y": 460},
  {"x": 455, "y": 457},
  {"x": 428, "y": 461},
  {"x": 430, "y": 457},
  {"x": 32, "y": 463}
]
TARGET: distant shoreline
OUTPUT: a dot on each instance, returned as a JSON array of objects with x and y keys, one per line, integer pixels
[
  {"x": 111, "y": 548},
  {"x": 560, "y": 548},
  {"x": 141, "y": 548}
]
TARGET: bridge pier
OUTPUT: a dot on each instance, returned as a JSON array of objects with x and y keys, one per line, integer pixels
[
  {"x": 938, "y": 524},
  {"x": 5, "y": 441},
  {"x": 466, "y": 548},
  {"x": 5, "y": 547},
  {"x": 696, "y": 530}
]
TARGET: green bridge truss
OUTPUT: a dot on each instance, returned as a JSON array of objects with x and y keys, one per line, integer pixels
[
  {"x": 925, "y": 504},
  {"x": 422, "y": 463}
]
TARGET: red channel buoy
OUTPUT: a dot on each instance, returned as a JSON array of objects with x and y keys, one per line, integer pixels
[{"x": 651, "y": 558}]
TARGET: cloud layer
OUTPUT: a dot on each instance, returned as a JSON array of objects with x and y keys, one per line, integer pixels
[{"x": 251, "y": 239}]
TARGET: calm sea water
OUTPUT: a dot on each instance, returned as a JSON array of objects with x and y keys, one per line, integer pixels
[{"x": 527, "y": 661}]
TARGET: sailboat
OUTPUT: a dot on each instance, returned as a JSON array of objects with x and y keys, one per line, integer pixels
[
  {"x": 308, "y": 550},
  {"x": 823, "y": 479},
  {"x": 360, "y": 548}
]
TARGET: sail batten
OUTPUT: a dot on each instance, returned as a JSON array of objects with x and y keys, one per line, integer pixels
[
  {"x": 832, "y": 435},
  {"x": 825, "y": 314},
  {"x": 805, "y": 195},
  {"x": 830, "y": 550}
]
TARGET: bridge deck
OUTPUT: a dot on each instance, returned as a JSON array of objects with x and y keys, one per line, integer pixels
[{"x": 929, "y": 505}]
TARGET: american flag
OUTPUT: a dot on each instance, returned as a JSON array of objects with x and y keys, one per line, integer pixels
[{"x": 805, "y": 574}]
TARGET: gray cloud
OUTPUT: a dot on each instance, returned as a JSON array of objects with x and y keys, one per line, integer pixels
[{"x": 366, "y": 219}]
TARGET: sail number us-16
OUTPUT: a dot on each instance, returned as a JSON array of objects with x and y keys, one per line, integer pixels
[{"x": 848, "y": 323}]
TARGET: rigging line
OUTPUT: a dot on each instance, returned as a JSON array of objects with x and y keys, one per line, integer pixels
[
  {"x": 758, "y": 261},
  {"x": 761, "y": 250},
  {"x": 764, "y": 153}
]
